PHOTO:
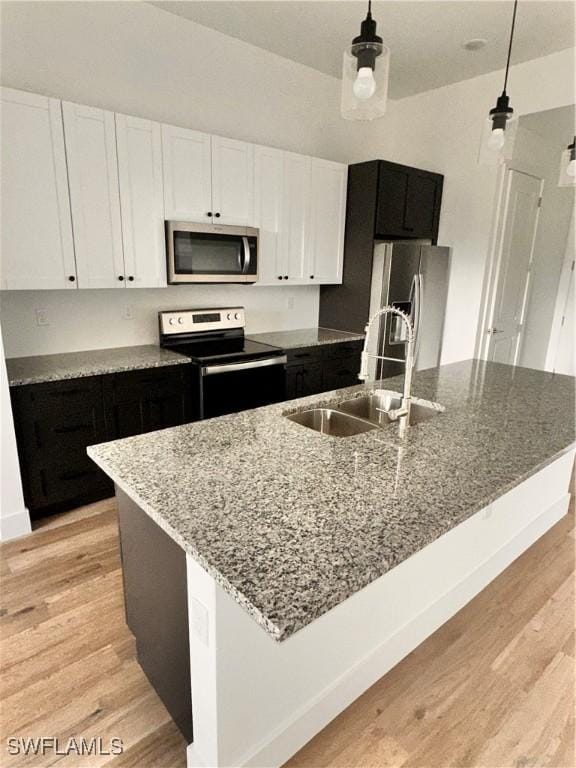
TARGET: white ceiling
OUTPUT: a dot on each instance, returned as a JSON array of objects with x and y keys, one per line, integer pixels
[
  {"x": 425, "y": 37},
  {"x": 556, "y": 125}
]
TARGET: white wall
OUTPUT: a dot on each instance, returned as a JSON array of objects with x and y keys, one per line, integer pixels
[
  {"x": 95, "y": 319},
  {"x": 14, "y": 517},
  {"x": 440, "y": 130},
  {"x": 533, "y": 154}
]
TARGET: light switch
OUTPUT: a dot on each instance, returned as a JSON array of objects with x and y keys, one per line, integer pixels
[{"x": 42, "y": 317}]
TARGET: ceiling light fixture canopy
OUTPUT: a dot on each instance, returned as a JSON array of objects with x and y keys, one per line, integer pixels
[
  {"x": 498, "y": 136},
  {"x": 568, "y": 166},
  {"x": 365, "y": 74}
]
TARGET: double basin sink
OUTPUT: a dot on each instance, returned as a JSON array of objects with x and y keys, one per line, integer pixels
[{"x": 362, "y": 414}]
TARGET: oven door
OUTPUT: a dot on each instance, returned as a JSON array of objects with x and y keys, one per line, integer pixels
[
  {"x": 199, "y": 253},
  {"x": 234, "y": 387}
]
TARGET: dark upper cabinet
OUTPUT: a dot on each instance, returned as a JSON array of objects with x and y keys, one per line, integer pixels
[
  {"x": 385, "y": 201},
  {"x": 408, "y": 202}
]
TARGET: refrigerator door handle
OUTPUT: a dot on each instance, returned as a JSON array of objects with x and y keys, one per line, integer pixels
[{"x": 418, "y": 302}]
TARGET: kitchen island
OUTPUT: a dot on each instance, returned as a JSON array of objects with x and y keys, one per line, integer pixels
[{"x": 286, "y": 571}]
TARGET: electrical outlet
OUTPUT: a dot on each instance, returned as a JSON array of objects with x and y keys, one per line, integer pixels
[
  {"x": 41, "y": 317},
  {"x": 128, "y": 313}
]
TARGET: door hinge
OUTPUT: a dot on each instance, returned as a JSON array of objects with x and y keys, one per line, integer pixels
[
  {"x": 539, "y": 202},
  {"x": 562, "y": 323},
  {"x": 572, "y": 267}
]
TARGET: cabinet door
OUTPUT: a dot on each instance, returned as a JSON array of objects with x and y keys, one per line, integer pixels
[
  {"x": 142, "y": 401},
  {"x": 139, "y": 145},
  {"x": 232, "y": 181},
  {"x": 37, "y": 250},
  {"x": 328, "y": 202},
  {"x": 392, "y": 195},
  {"x": 296, "y": 218},
  {"x": 422, "y": 204},
  {"x": 187, "y": 174},
  {"x": 90, "y": 137},
  {"x": 269, "y": 175}
]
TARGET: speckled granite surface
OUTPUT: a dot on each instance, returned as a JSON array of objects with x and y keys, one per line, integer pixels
[
  {"x": 305, "y": 337},
  {"x": 75, "y": 365},
  {"x": 291, "y": 522}
]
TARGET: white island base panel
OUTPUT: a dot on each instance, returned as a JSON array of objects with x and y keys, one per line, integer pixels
[{"x": 256, "y": 702}]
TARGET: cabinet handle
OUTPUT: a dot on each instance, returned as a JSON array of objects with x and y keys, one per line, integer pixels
[
  {"x": 120, "y": 277},
  {"x": 209, "y": 213},
  {"x": 409, "y": 229},
  {"x": 311, "y": 277},
  {"x": 279, "y": 277},
  {"x": 285, "y": 277},
  {"x": 72, "y": 278},
  {"x": 77, "y": 428},
  {"x": 131, "y": 278},
  {"x": 217, "y": 215}
]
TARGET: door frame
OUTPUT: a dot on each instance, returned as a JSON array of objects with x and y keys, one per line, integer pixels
[
  {"x": 494, "y": 266},
  {"x": 566, "y": 276}
]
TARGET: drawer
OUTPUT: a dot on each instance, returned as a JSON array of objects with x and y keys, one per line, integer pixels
[
  {"x": 153, "y": 382},
  {"x": 59, "y": 396},
  {"x": 72, "y": 481},
  {"x": 341, "y": 373},
  {"x": 304, "y": 355},
  {"x": 342, "y": 349}
]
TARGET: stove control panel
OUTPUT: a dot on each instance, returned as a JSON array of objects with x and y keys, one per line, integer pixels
[{"x": 199, "y": 320}]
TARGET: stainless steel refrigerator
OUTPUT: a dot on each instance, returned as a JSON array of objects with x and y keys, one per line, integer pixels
[{"x": 414, "y": 278}]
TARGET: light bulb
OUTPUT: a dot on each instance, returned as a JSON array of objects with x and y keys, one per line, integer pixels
[
  {"x": 364, "y": 86},
  {"x": 497, "y": 138},
  {"x": 571, "y": 168}
]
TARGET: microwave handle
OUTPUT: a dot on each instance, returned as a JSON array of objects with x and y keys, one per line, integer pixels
[{"x": 247, "y": 255}]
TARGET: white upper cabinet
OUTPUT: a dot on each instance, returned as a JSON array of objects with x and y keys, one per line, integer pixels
[
  {"x": 94, "y": 195},
  {"x": 37, "y": 249},
  {"x": 268, "y": 191},
  {"x": 327, "y": 213},
  {"x": 187, "y": 174},
  {"x": 295, "y": 218},
  {"x": 139, "y": 144},
  {"x": 232, "y": 182}
]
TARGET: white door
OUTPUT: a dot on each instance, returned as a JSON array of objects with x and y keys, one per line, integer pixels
[
  {"x": 296, "y": 218},
  {"x": 328, "y": 203},
  {"x": 37, "y": 249},
  {"x": 269, "y": 175},
  {"x": 521, "y": 221},
  {"x": 232, "y": 182},
  {"x": 139, "y": 144},
  {"x": 564, "y": 361},
  {"x": 187, "y": 175},
  {"x": 90, "y": 137}
]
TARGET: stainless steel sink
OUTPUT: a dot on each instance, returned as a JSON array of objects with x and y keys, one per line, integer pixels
[
  {"x": 375, "y": 408},
  {"x": 328, "y": 421}
]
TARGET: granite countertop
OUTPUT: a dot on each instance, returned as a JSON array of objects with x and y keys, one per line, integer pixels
[
  {"x": 291, "y": 523},
  {"x": 305, "y": 337},
  {"x": 75, "y": 365}
]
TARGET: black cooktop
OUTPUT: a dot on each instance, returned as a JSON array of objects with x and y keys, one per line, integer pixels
[{"x": 219, "y": 351}]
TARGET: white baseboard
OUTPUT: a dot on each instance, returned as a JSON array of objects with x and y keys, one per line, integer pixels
[
  {"x": 342, "y": 692},
  {"x": 14, "y": 525}
]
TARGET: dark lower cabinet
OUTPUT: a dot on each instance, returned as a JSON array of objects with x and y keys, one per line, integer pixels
[
  {"x": 311, "y": 370},
  {"x": 55, "y": 423},
  {"x": 143, "y": 401}
]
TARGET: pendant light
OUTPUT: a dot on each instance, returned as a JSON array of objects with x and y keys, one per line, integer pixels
[
  {"x": 568, "y": 166},
  {"x": 365, "y": 74},
  {"x": 500, "y": 128}
]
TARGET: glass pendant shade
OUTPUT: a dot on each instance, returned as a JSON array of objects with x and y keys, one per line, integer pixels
[
  {"x": 567, "y": 177},
  {"x": 497, "y": 143},
  {"x": 364, "y": 89}
]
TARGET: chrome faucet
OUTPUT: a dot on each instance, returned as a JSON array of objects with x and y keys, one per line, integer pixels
[{"x": 402, "y": 413}]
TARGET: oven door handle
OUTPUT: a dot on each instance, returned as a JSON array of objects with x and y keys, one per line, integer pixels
[
  {"x": 247, "y": 256},
  {"x": 212, "y": 370}
]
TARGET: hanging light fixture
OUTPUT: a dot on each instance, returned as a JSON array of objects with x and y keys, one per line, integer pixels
[
  {"x": 365, "y": 74},
  {"x": 500, "y": 128},
  {"x": 568, "y": 166}
]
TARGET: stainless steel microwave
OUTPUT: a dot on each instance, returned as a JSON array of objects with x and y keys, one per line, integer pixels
[{"x": 211, "y": 253}]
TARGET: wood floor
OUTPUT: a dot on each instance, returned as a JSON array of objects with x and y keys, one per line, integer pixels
[{"x": 493, "y": 688}]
